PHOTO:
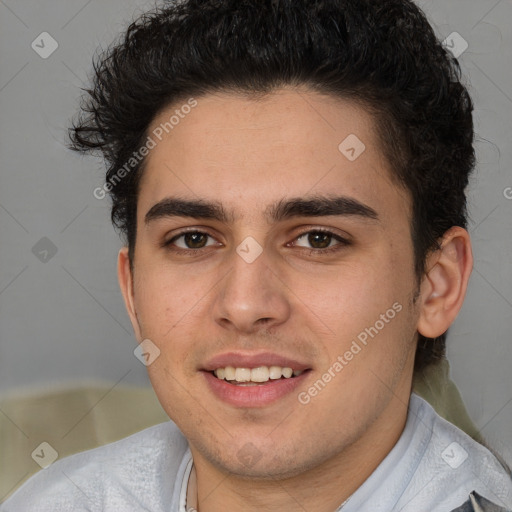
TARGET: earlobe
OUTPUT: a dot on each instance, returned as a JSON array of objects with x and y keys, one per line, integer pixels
[
  {"x": 125, "y": 278},
  {"x": 444, "y": 285}
]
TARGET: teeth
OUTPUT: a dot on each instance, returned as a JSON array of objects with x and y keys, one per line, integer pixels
[
  {"x": 260, "y": 374},
  {"x": 275, "y": 372},
  {"x": 242, "y": 375},
  {"x": 287, "y": 373},
  {"x": 229, "y": 373}
]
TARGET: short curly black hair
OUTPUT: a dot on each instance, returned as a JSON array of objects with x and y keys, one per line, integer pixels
[{"x": 382, "y": 54}]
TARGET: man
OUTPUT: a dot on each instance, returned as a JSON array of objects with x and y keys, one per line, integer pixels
[{"x": 289, "y": 177}]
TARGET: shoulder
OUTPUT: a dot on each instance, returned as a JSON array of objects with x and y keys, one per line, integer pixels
[
  {"x": 455, "y": 465},
  {"x": 112, "y": 477}
]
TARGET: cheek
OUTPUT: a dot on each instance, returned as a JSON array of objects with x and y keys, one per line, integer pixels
[
  {"x": 173, "y": 311},
  {"x": 363, "y": 311},
  {"x": 349, "y": 296},
  {"x": 166, "y": 299}
]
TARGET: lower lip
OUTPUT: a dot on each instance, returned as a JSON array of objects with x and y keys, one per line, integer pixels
[{"x": 259, "y": 395}]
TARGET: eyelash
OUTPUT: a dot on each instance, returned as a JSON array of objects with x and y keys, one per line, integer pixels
[{"x": 312, "y": 252}]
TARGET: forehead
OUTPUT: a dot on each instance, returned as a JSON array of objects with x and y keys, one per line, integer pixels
[{"x": 248, "y": 153}]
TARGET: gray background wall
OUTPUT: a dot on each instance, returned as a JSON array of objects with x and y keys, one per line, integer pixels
[{"x": 62, "y": 320}]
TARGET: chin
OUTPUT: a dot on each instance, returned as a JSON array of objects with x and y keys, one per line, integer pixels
[
  {"x": 266, "y": 469},
  {"x": 266, "y": 462}
]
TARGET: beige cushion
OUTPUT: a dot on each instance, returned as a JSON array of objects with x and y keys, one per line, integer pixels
[{"x": 78, "y": 419}]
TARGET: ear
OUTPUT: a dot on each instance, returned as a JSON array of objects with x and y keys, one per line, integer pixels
[
  {"x": 444, "y": 285},
  {"x": 125, "y": 277}
]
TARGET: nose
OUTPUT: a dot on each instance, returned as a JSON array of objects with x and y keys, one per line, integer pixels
[{"x": 251, "y": 297}]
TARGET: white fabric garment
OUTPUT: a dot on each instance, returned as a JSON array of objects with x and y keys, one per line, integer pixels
[{"x": 433, "y": 468}]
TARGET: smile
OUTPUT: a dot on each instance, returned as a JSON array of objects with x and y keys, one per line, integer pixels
[{"x": 259, "y": 375}]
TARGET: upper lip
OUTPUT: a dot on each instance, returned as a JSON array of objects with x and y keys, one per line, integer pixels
[{"x": 253, "y": 360}]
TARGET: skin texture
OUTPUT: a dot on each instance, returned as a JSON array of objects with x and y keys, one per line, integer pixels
[{"x": 248, "y": 154}]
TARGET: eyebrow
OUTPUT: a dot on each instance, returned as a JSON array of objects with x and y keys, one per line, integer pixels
[{"x": 316, "y": 206}]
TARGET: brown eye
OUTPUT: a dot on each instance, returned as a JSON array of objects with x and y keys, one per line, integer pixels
[
  {"x": 195, "y": 240},
  {"x": 191, "y": 240},
  {"x": 318, "y": 240}
]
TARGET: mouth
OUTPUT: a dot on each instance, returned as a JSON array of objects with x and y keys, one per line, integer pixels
[
  {"x": 240, "y": 376},
  {"x": 254, "y": 380}
]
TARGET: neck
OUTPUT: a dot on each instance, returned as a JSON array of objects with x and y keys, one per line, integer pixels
[{"x": 321, "y": 489}]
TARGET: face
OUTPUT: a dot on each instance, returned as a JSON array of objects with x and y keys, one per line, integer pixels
[{"x": 270, "y": 241}]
